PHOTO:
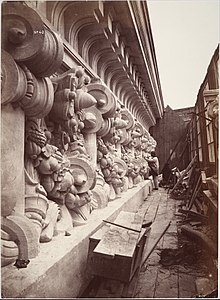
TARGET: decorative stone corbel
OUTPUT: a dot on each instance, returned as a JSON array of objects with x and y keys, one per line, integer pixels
[
  {"x": 26, "y": 38},
  {"x": 21, "y": 88},
  {"x": 13, "y": 87}
]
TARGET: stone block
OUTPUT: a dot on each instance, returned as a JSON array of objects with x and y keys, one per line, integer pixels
[{"x": 60, "y": 269}]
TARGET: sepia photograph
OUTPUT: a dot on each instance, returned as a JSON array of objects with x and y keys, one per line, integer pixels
[{"x": 109, "y": 149}]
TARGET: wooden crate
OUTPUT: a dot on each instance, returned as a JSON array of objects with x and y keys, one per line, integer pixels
[{"x": 116, "y": 252}]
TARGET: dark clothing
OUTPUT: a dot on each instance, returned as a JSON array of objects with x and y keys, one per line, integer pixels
[{"x": 153, "y": 163}]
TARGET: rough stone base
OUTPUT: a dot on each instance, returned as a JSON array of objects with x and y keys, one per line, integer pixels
[{"x": 59, "y": 271}]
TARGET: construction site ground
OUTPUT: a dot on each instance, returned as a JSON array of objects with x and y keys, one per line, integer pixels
[{"x": 173, "y": 265}]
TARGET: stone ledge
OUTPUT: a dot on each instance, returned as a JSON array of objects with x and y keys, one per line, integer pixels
[{"x": 59, "y": 271}]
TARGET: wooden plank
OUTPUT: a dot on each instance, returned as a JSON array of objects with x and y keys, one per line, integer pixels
[
  {"x": 166, "y": 284},
  {"x": 120, "y": 241},
  {"x": 146, "y": 283},
  {"x": 122, "y": 226},
  {"x": 192, "y": 214},
  {"x": 130, "y": 289},
  {"x": 184, "y": 173},
  {"x": 130, "y": 219},
  {"x": 195, "y": 191},
  {"x": 153, "y": 240},
  {"x": 153, "y": 208}
]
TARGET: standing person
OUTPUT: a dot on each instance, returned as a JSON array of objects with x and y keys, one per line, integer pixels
[{"x": 153, "y": 163}]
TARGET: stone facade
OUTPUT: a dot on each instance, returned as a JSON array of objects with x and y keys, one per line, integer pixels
[{"x": 80, "y": 90}]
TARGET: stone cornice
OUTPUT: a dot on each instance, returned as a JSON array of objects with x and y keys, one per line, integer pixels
[{"x": 122, "y": 42}]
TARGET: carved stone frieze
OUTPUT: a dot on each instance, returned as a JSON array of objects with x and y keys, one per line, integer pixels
[{"x": 78, "y": 147}]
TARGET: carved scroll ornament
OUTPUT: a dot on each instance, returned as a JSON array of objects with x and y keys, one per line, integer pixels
[
  {"x": 28, "y": 41},
  {"x": 20, "y": 87}
]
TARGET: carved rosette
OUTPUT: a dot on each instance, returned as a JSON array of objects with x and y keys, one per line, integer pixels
[
  {"x": 92, "y": 120},
  {"x": 83, "y": 174},
  {"x": 106, "y": 102}
]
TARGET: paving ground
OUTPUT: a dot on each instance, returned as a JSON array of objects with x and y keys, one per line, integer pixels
[
  {"x": 173, "y": 266},
  {"x": 182, "y": 267}
]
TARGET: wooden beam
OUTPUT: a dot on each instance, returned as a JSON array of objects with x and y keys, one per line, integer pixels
[
  {"x": 184, "y": 173},
  {"x": 118, "y": 225}
]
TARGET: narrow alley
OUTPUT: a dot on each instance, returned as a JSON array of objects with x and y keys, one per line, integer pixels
[{"x": 109, "y": 157}]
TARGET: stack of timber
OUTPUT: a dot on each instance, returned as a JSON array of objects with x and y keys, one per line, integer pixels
[
  {"x": 115, "y": 254},
  {"x": 199, "y": 195},
  {"x": 184, "y": 184}
]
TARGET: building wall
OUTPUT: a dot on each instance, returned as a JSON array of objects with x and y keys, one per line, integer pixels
[
  {"x": 183, "y": 133},
  {"x": 170, "y": 133},
  {"x": 203, "y": 129}
]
